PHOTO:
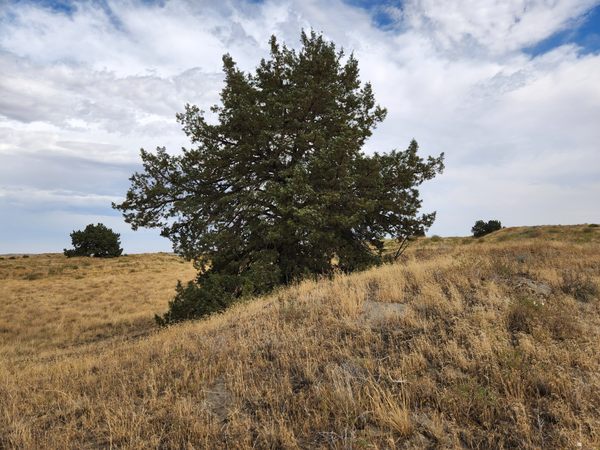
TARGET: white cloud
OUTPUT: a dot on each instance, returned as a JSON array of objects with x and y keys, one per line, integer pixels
[
  {"x": 20, "y": 195},
  {"x": 81, "y": 93},
  {"x": 495, "y": 26}
]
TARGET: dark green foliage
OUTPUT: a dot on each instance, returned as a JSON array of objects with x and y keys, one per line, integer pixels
[
  {"x": 279, "y": 189},
  {"x": 481, "y": 228},
  {"x": 192, "y": 300},
  {"x": 95, "y": 240}
]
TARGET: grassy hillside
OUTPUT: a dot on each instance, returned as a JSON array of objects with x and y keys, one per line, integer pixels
[
  {"x": 465, "y": 343},
  {"x": 50, "y": 304},
  {"x": 570, "y": 233}
]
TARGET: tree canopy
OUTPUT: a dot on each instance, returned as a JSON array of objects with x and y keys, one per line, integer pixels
[
  {"x": 95, "y": 240},
  {"x": 481, "y": 227},
  {"x": 275, "y": 185}
]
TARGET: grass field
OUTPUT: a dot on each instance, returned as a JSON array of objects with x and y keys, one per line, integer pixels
[
  {"x": 50, "y": 304},
  {"x": 476, "y": 343}
]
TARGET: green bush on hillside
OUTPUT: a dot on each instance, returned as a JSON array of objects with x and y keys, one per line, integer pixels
[
  {"x": 95, "y": 240},
  {"x": 481, "y": 228}
]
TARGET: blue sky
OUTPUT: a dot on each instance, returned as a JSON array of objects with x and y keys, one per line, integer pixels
[{"x": 508, "y": 90}]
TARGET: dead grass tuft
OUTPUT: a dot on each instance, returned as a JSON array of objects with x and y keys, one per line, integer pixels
[{"x": 580, "y": 287}]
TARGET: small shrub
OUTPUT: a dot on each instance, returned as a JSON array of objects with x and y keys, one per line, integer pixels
[
  {"x": 481, "y": 228},
  {"x": 34, "y": 276},
  {"x": 25, "y": 256},
  {"x": 593, "y": 225},
  {"x": 579, "y": 287},
  {"x": 521, "y": 316},
  {"x": 12, "y": 257},
  {"x": 195, "y": 301},
  {"x": 55, "y": 270},
  {"x": 562, "y": 326},
  {"x": 435, "y": 238}
]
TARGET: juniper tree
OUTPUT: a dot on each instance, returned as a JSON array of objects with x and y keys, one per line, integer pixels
[
  {"x": 95, "y": 240},
  {"x": 481, "y": 227},
  {"x": 279, "y": 188}
]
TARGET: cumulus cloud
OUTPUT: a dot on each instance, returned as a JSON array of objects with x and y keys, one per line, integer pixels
[
  {"x": 82, "y": 91},
  {"x": 495, "y": 26}
]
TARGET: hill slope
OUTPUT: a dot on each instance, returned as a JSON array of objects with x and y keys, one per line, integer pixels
[{"x": 491, "y": 344}]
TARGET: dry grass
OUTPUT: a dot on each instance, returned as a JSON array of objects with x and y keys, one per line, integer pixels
[
  {"x": 50, "y": 303},
  {"x": 491, "y": 349}
]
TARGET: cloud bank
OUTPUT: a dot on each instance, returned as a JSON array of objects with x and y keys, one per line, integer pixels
[{"x": 83, "y": 88}]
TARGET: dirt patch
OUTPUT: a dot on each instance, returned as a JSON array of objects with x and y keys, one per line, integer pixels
[
  {"x": 377, "y": 312},
  {"x": 218, "y": 399}
]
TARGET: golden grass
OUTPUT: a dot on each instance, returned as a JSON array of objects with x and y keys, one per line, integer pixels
[
  {"x": 50, "y": 303},
  {"x": 491, "y": 349}
]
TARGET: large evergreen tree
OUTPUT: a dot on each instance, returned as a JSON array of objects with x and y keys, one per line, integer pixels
[{"x": 278, "y": 188}]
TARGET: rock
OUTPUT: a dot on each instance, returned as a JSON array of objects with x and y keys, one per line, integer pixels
[
  {"x": 536, "y": 287},
  {"x": 379, "y": 311},
  {"x": 217, "y": 399}
]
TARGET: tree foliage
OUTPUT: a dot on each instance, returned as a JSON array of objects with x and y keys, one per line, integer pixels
[
  {"x": 481, "y": 228},
  {"x": 278, "y": 188},
  {"x": 95, "y": 240}
]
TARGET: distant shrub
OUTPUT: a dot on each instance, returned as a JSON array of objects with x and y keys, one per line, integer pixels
[
  {"x": 435, "y": 238},
  {"x": 579, "y": 287},
  {"x": 593, "y": 225},
  {"x": 55, "y": 270},
  {"x": 481, "y": 228},
  {"x": 95, "y": 240},
  {"x": 12, "y": 257},
  {"x": 25, "y": 256},
  {"x": 34, "y": 276}
]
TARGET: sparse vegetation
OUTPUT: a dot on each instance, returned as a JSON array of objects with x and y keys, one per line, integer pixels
[
  {"x": 459, "y": 346},
  {"x": 95, "y": 240},
  {"x": 581, "y": 287}
]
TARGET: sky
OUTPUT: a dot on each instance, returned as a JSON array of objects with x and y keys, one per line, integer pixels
[{"x": 508, "y": 89}]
